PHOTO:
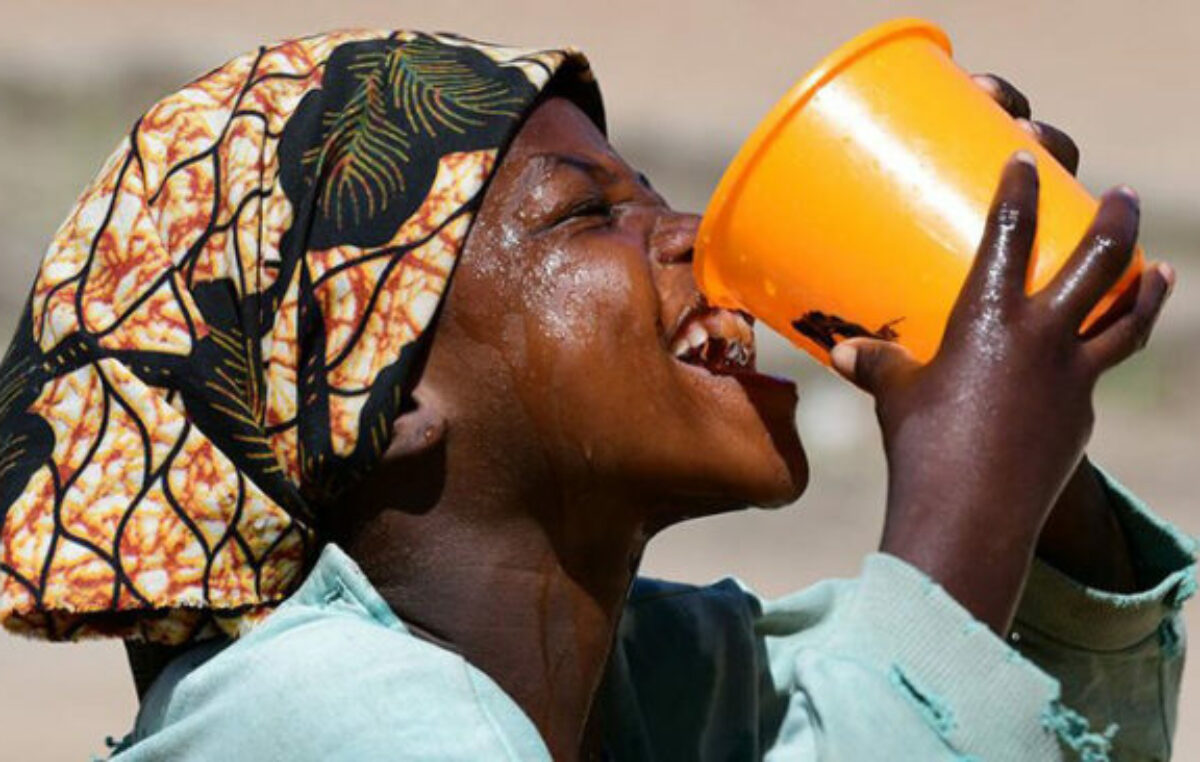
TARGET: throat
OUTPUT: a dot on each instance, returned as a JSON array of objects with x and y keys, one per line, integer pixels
[{"x": 536, "y": 613}]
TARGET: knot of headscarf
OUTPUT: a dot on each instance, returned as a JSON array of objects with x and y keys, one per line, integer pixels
[{"x": 220, "y": 334}]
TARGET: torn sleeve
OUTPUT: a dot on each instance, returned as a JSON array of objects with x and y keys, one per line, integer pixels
[
  {"x": 899, "y": 665},
  {"x": 1118, "y": 657},
  {"x": 890, "y": 662}
]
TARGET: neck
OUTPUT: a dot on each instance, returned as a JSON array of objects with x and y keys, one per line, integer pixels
[{"x": 529, "y": 598}]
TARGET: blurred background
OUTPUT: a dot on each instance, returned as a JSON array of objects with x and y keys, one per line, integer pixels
[{"x": 685, "y": 83}]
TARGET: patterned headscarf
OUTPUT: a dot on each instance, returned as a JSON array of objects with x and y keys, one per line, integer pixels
[{"x": 221, "y": 333}]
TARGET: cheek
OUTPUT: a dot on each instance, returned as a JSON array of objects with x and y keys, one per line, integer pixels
[
  {"x": 594, "y": 353},
  {"x": 581, "y": 305}
]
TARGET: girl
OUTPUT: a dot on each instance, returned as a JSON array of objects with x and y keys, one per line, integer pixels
[{"x": 353, "y": 388}]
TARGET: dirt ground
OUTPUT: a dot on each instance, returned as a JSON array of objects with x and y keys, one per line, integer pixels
[{"x": 684, "y": 83}]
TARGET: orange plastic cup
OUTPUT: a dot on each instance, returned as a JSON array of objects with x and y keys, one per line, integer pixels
[{"x": 857, "y": 205}]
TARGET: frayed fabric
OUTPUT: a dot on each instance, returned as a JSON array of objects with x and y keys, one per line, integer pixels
[{"x": 1075, "y": 733}]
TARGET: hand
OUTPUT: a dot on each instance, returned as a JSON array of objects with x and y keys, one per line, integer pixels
[
  {"x": 981, "y": 441},
  {"x": 1082, "y": 536}
]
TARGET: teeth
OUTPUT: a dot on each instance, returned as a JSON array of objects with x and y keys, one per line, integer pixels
[
  {"x": 717, "y": 337},
  {"x": 693, "y": 338},
  {"x": 736, "y": 353}
]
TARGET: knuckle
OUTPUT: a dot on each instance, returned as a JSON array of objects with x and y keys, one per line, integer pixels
[
  {"x": 1113, "y": 250},
  {"x": 1008, "y": 215},
  {"x": 1039, "y": 317},
  {"x": 1105, "y": 242}
]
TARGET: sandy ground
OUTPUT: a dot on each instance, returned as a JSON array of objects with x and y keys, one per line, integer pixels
[{"x": 684, "y": 84}]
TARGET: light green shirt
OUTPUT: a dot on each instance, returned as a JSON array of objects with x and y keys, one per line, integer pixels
[{"x": 884, "y": 666}]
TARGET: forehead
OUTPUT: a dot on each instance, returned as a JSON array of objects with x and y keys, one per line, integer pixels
[{"x": 558, "y": 127}]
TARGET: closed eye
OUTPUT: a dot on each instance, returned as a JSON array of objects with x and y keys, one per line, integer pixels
[{"x": 594, "y": 206}]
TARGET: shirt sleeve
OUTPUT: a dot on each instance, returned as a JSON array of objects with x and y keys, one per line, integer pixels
[
  {"x": 891, "y": 661},
  {"x": 896, "y": 663},
  {"x": 1118, "y": 657}
]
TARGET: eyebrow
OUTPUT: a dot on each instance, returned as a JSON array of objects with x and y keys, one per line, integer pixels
[{"x": 586, "y": 165}]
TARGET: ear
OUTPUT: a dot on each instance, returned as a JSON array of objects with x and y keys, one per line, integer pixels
[
  {"x": 417, "y": 431},
  {"x": 408, "y": 478}
]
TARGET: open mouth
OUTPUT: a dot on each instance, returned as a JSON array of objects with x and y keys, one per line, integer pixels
[{"x": 719, "y": 341}]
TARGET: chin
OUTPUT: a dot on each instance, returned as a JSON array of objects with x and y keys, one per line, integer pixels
[
  {"x": 763, "y": 464},
  {"x": 748, "y": 446},
  {"x": 785, "y": 483},
  {"x": 773, "y": 480},
  {"x": 777, "y": 460},
  {"x": 752, "y": 478}
]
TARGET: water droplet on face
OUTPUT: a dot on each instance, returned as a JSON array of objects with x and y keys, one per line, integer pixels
[{"x": 509, "y": 238}]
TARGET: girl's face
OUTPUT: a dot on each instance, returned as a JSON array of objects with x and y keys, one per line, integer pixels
[{"x": 574, "y": 338}]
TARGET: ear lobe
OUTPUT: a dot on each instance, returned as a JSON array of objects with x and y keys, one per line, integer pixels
[
  {"x": 409, "y": 477},
  {"x": 416, "y": 431}
]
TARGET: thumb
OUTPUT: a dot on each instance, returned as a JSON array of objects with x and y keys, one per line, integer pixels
[{"x": 871, "y": 364}]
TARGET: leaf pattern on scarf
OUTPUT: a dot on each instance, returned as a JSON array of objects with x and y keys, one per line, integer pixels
[{"x": 362, "y": 161}]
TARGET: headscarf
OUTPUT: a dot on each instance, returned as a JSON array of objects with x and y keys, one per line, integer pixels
[{"x": 221, "y": 333}]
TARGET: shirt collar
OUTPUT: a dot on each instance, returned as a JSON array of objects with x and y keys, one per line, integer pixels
[{"x": 337, "y": 578}]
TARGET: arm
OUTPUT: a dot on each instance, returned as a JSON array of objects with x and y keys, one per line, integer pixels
[
  {"x": 1100, "y": 611},
  {"x": 890, "y": 660},
  {"x": 1083, "y": 538},
  {"x": 985, "y": 443},
  {"x": 986, "y": 469}
]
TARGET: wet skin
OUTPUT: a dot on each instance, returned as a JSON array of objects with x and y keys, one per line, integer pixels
[{"x": 555, "y": 429}]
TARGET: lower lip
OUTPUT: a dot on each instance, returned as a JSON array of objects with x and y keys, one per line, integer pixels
[
  {"x": 764, "y": 380},
  {"x": 747, "y": 377}
]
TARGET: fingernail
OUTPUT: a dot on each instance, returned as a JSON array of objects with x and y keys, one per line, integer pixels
[
  {"x": 843, "y": 357},
  {"x": 987, "y": 82},
  {"x": 1129, "y": 193},
  {"x": 1025, "y": 157},
  {"x": 1031, "y": 127}
]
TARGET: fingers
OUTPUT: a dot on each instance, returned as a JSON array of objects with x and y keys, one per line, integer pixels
[
  {"x": 1100, "y": 258},
  {"x": 999, "y": 271},
  {"x": 1058, "y": 143},
  {"x": 1010, "y": 98},
  {"x": 872, "y": 365},
  {"x": 1131, "y": 331}
]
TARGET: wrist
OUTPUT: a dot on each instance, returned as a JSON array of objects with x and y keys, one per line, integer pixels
[
  {"x": 980, "y": 560},
  {"x": 1083, "y": 538}
]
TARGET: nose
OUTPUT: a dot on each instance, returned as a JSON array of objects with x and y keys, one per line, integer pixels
[
  {"x": 671, "y": 242},
  {"x": 672, "y": 238}
]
